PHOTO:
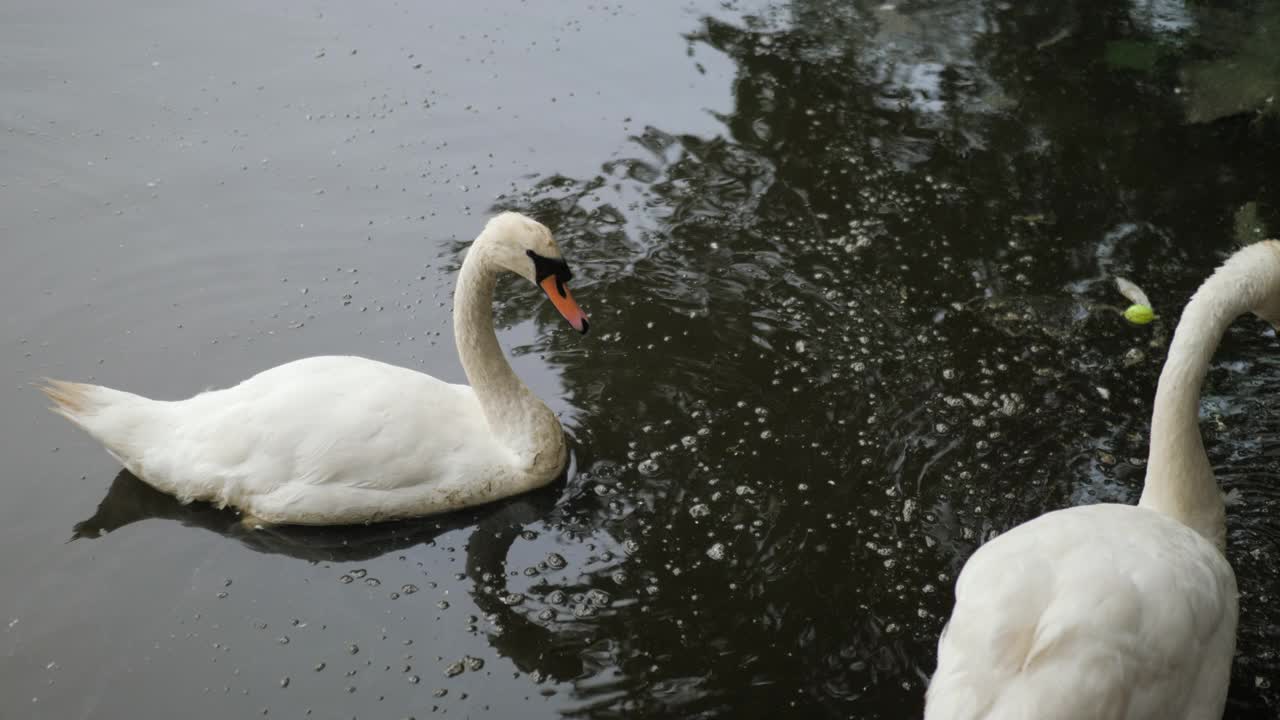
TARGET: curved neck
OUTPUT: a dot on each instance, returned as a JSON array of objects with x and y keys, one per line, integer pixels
[
  {"x": 1179, "y": 480},
  {"x": 509, "y": 407}
]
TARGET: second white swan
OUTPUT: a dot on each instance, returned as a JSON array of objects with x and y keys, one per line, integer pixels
[
  {"x": 1112, "y": 611},
  {"x": 338, "y": 440}
]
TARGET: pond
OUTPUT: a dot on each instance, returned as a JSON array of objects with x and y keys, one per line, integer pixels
[{"x": 850, "y": 270}]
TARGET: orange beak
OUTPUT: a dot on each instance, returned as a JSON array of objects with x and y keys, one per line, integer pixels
[{"x": 564, "y": 302}]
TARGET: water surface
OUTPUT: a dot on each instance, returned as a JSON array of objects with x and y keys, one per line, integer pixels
[{"x": 849, "y": 267}]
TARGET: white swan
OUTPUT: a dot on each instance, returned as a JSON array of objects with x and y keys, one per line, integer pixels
[
  {"x": 1113, "y": 611},
  {"x": 337, "y": 440}
]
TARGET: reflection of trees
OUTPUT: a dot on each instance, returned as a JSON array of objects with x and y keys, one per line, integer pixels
[{"x": 880, "y": 170}]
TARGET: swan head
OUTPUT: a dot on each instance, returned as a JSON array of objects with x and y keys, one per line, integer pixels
[{"x": 524, "y": 246}]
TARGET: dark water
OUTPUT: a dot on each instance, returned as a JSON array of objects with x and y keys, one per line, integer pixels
[{"x": 849, "y": 266}]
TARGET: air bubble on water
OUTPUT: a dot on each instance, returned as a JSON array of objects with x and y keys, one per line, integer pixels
[
  {"x": 473, "y": 664},
  {"x": 556, "y": 561},
  {"x": 648, "y": 467},
  {"x": 409, "y": 589},
  {"x": 716, "y": 552},
  {"x": 699, "y": 510},
  {"x": 1011, "y": 404},
  {"x": 454, "y": 669}
]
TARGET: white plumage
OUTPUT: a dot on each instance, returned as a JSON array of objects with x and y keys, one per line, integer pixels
[
  {"x": 1115, "y": 612},
  {"x": 1105, "y": 611},
  {"x": 334, "y": 440}
]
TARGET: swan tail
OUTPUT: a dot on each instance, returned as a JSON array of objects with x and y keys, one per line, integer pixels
[{"x": 117, "y": 419}]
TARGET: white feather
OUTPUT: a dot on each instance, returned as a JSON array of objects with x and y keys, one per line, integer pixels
[
  {"x": 1104, "y": 611},
  {"x": 1132, "y": 292}
]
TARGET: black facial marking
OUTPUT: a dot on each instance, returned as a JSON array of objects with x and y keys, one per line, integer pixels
[{"x": 545, "y": 267}]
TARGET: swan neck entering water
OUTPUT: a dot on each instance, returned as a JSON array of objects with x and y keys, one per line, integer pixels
[
  {"x": 511, "y": 410},
  {"x": 1179, "y": 480}
]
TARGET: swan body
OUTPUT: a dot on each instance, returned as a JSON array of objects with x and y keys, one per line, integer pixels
[
  {"x": 1116, "y": 612},
  {"x": 339, "y": 440},
  {"x": 1103, "y": 611}
]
